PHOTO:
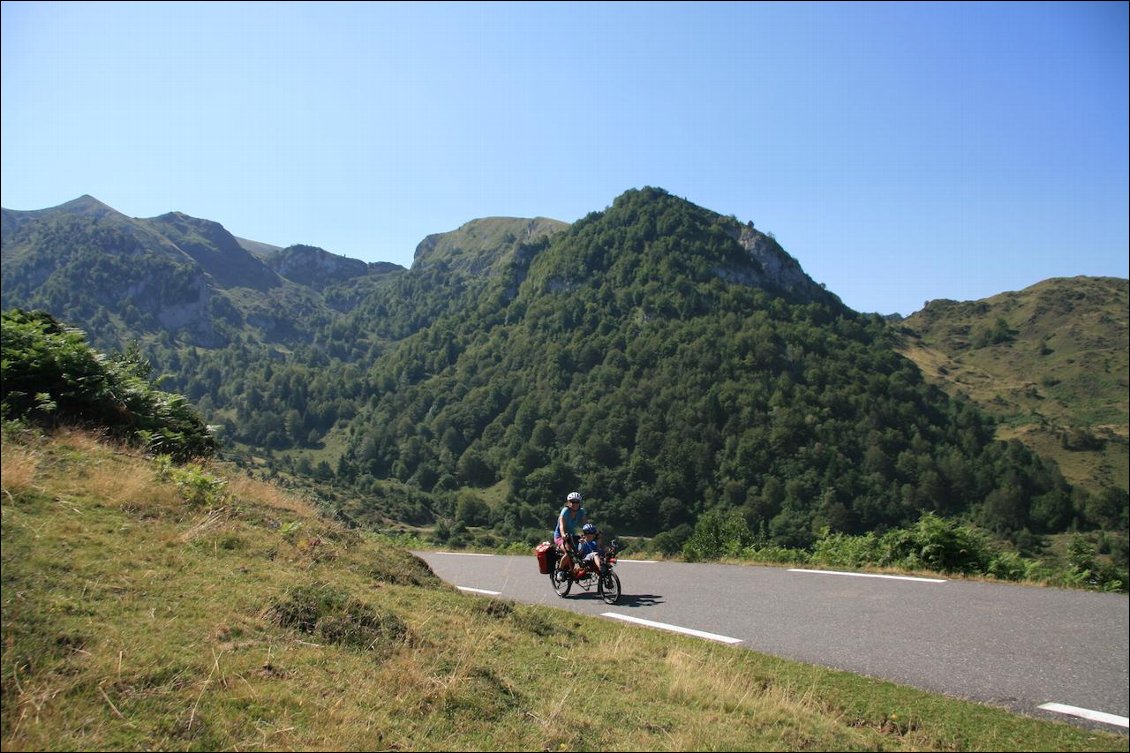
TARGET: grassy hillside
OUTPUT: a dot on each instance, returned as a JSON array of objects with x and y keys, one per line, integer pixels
[
  {"x": 483, "y": 246},
  {"x": 161, "y": 607},
  {"x": 1050, "y": 362}
]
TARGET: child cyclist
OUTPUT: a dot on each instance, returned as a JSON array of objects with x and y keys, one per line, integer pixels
[{"x": 590, "y": 552}]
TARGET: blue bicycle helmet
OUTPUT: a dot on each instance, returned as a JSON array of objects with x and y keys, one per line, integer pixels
[{"x": 588, "y": 528}]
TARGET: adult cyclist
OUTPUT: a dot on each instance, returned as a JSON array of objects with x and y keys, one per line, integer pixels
[{"x": 569, "y": 522}]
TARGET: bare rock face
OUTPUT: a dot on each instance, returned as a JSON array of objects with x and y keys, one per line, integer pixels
[
  {"x": 772, "y": 266},
  {"x": 310, "y": 265}
]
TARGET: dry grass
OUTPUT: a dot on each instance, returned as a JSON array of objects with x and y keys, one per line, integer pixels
[
  {"x": 269, "y": 495},
  {"x": 20, "y": 468}
]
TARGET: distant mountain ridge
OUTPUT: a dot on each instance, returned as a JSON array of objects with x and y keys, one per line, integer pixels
[
  {"x": 180, "y": 273},
  {"x": 87, "y": 262}
]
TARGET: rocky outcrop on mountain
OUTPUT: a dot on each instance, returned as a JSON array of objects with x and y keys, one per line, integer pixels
[
  {"x": 779, "y": 269},
  {"x": 318, "y": 268}
]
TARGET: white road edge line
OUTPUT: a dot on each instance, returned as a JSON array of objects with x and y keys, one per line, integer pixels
[
  {"x": 673, "y": 628},
  {"x": 1094, "y": 716},
  {"x": 465, "y": 554},
  {"x": 479, "y": 591},
  {"x": 868, "y": 575}
]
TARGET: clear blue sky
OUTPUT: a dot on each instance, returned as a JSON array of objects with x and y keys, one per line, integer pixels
[{"x": 901, "y": 152}]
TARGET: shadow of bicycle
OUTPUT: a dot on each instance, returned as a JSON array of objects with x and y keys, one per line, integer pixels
[
  {"x": 639, "y": 600},
  {"x": 626, "y": 600}
]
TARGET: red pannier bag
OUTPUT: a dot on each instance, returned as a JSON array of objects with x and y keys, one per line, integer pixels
[{"x": 547, "y": 557}]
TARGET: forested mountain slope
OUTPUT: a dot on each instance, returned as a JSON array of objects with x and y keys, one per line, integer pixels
[
  {"x": 669, "y": 360},
  {"x": 663, "y": 358}
]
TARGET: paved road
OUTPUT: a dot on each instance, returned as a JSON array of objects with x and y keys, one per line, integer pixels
[{"x": 1013, "y": 646}]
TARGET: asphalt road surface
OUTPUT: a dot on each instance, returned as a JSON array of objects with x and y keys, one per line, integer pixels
[{"x": 1019, "y": 647}]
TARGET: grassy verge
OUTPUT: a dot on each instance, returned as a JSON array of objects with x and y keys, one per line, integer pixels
[{"x": 154, "y": 607}]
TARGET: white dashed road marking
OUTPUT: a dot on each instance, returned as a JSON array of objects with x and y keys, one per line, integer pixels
[
  {"x": 868, "y": 575},
  {"x": 479, "y": 591},
  {"x": 1094, "y": 716},
  {"x": 674, "y": 628}
]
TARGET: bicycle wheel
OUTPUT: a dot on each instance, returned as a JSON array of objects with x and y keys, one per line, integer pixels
[
  {"x": 561, "y": 584},
  {"x": 609, "y": 587}
]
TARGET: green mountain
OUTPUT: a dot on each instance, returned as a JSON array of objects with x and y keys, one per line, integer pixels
[
  {"x": 1050, "y": 362},
  {"x": 665, "y": 359},
  {"x": 669, "y": 360}
]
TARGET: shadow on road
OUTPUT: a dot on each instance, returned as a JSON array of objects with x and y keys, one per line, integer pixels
[
  {"x": 639, "y": 600},
  {"x": 626, "y": 600}
]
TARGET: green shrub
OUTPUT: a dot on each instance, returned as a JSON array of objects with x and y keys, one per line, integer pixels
[
  {"x": 671, "y": 542},
  {"x": 50, "y": 376},
  {"x": 197, "y": 487},
  {"x": 1010, "y": 566},
  {"x": 842, "y": 550},
  {"x": 718, "y": 534},
  {"x": 780, "y": 554},
  {"x": 936, "y": 544}
]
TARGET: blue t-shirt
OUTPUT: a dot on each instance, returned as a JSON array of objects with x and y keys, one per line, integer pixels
[
  {"x": 588, "y": 547},
  {"x": 572, "y": 520}
]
